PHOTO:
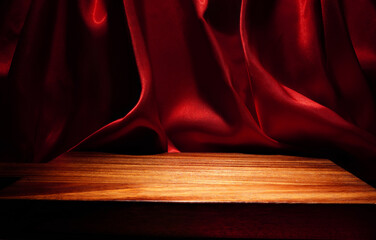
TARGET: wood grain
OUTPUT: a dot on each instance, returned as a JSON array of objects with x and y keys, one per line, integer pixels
[
  {"x": 210, "y": 195},
  {"x": 186, "y": 177}
]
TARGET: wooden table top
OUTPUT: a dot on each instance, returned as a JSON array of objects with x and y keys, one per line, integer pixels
[
  {"x": 185, "y": 177},
  {"x": 205, "y": 195}
]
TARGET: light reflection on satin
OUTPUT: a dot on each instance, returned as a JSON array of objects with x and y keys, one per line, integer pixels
[{"x": 99, "y": 12}]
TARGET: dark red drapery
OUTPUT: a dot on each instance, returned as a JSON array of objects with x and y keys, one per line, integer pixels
[{"x": 147, "y": 76}]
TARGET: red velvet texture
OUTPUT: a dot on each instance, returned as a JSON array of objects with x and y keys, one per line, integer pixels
[{"x": 145, "y": 76}]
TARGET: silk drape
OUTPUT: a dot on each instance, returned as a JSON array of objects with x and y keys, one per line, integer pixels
[{"x": 144, "y": 77}]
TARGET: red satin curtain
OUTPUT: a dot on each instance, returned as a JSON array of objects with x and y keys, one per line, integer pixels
[{"x": 144, "y": 77}]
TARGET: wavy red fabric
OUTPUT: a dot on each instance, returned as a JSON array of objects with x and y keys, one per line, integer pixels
[{"x": 139, "y": 76}]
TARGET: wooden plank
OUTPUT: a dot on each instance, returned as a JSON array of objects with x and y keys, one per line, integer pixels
[
  {"x": 186, "y": 177},
  {"x": 185, "y": 195}
]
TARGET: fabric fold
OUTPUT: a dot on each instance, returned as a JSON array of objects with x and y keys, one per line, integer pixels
[{"x": 145, "y": 77}]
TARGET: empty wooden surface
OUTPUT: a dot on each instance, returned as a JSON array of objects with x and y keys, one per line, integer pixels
[
  {"x": 211, "y": 195},
  {"x": 189, "y": 177}
]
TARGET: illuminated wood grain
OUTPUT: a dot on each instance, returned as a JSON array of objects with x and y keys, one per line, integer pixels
[
  {"x": 186, "y": 177},
  {"x": 185, "y": 195}
]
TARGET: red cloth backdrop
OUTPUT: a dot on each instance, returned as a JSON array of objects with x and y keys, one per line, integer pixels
[{"x": 142, "y": 76}]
